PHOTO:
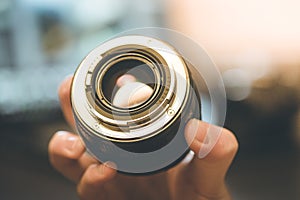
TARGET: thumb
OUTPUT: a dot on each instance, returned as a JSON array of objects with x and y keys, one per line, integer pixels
[{"x": 214, "y": 149}]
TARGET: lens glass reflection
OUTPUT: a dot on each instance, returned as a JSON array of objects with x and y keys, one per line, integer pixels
[{"x": 128, "y": 83}]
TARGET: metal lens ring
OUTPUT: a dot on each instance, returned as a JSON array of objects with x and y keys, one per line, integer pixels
[{"x": 143, "y": 136}]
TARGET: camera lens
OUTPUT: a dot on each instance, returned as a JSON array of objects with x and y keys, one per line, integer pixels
[{"x": 131, "y": 98}]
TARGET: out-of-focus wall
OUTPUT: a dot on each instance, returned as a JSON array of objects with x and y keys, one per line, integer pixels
[
  {"x": 261, "y": 39},
  {"x": 42, "y": 41},
  {"x": 256, "y": 45}
]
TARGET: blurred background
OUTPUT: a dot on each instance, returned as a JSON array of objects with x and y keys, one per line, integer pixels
[{"x": 255, "y": 44}]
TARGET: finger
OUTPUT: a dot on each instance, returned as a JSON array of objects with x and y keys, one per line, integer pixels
[
  {"x": 219, "y": 144},
  {"x": 132, "y": 94},
  {"x": 126, "y": 78},
  {"x": 91, "y": 186},
  {"x": 211, "y": 143},
  {"x": 64, "y": 93},
  {"x": 67, "y": 155}
]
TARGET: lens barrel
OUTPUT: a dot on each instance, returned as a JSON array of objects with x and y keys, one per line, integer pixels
[{"x": 143, "y": 138}]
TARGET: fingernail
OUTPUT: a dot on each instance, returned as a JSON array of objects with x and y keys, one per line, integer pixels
[
  {"x": 192, "y": 128},
  {"x": 202, "y": 130},
  {"x": 106, "y": 166},
  {"x": 110, "y": 164},
  {"x": 198, "y": 130},
  {"x": 101, "y": 168},
  {"x": 71, "y": 141},
  {"x": 194, "y": 123},
  {"x": 61, "y": 133},
  {"x": 206, "y": 139},
  {"x": 210, "y": 140}
]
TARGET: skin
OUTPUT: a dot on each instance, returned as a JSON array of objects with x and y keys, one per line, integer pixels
[
  {"x": 131, "y": 92},
  {"x": 199, "y": 179}
]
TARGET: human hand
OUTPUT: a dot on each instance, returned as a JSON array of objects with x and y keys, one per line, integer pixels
[{"x": 200, "y": 179}]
